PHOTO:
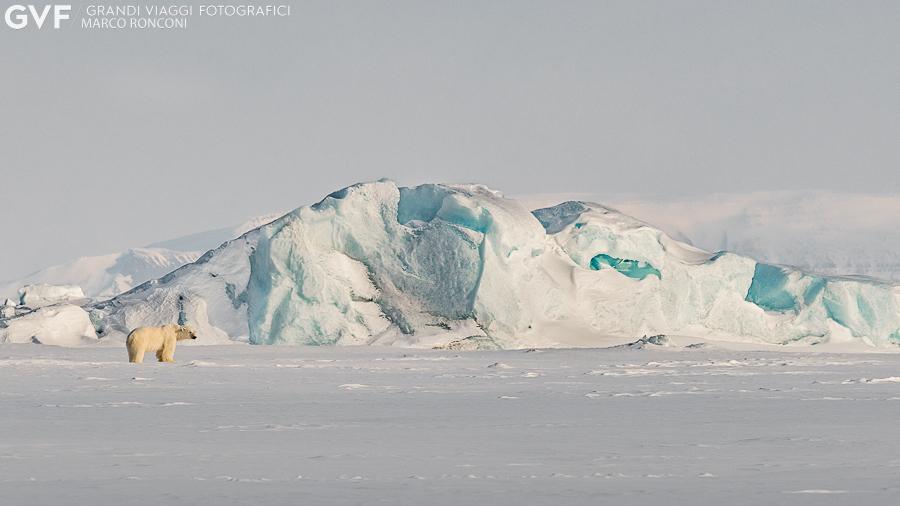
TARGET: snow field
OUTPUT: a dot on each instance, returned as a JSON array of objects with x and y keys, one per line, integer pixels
[{"x": 374, "y": 425}]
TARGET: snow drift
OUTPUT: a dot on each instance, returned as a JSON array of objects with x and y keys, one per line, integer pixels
[{"x": 461, "y": 266}]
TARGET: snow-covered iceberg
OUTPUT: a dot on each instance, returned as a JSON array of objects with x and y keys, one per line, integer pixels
[
  {"x": 61, "y": 325},
  {"x": 439, "y": 264},
  {"x": 40, "y": 295}
]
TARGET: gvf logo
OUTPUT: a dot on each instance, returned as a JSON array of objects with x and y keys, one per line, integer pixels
[{"x": 18, "y": 16}]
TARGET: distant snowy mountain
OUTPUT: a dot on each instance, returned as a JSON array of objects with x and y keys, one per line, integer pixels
[
  {"x": 105, "y": 276},
  {"x": 824, "y": 232},
  {"x": 461, "y": 266},
  {"x": 204, "y": 241}
]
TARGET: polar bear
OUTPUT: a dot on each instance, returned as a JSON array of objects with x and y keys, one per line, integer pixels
[{"x": 159, "y": 339}]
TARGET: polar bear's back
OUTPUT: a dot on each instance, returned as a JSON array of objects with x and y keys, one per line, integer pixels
[{"x": 150, "y": 338}]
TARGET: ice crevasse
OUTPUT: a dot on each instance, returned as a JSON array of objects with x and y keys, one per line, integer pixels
[{"x": 430, "y": 265}]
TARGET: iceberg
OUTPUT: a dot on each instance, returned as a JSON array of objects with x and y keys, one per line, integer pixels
[
  {"x": 461, "y": 266},
  {"x": 8, "y": 309},
  {"x": 39, "y": 295},
  {"x": 61, "y": 325}
]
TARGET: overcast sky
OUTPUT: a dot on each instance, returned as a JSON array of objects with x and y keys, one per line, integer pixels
[{"x": 122, "y": 138}]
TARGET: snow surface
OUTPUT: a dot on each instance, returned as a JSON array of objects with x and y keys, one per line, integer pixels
[
  {"x": 375, "y": 425},
  {"x": 463, "y": 267}
]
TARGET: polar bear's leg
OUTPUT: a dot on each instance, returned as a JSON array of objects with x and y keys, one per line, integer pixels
[
  {"x": 135, "y": 346},
  {"x": 136, "y": 355},
  {"x": 167, "y": 353},
  {"x": 159, "y": 355}
]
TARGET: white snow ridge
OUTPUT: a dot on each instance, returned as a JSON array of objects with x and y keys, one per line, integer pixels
[{"x": 462, "y": 266}]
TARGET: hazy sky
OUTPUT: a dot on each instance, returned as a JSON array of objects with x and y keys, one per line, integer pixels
[{"x": 121, "y": 138}]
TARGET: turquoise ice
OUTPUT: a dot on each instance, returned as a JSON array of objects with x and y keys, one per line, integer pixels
[{"x": 631, "y": 268}]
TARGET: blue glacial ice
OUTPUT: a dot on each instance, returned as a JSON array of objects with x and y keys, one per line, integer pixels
[
  {"x": 768, "y": 289},
  {"x": 631, "y": 268}
]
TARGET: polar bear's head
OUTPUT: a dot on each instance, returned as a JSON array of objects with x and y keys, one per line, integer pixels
[{"x": 185, "y": 332}]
